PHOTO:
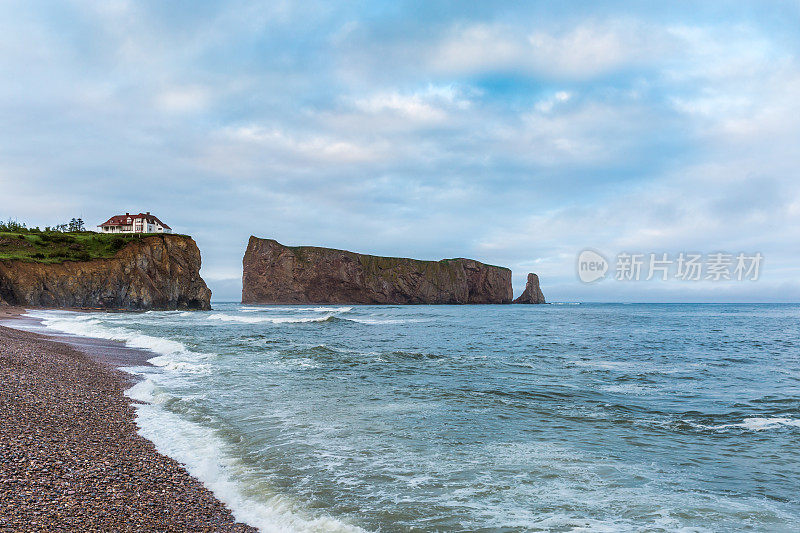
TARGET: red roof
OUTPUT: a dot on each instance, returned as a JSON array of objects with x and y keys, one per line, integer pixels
[{"x": 122, "y": 220}]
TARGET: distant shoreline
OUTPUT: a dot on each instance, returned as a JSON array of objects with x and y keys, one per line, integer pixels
[{"x": 72, "y": 456}]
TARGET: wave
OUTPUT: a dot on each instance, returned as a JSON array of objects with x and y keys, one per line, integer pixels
[
  {"x": 321, "y": 309},
  {"x": 330, "y": 314},
  {"x": 208, "y": 457},
  {"x": 202, "y": 452},
  {"x": 171, "y": 354},
  {"x": 627, "y": 388},
  {"x": 312, "y": 309},
  {"x": 380, "y": 321},
  {"x": 759, "y": 424},
  {"x": 402, "y": 354},
  {"x": 268, "y": 319}
]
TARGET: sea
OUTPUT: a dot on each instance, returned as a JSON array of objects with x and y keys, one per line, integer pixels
[{"x": 590, "y": 417}]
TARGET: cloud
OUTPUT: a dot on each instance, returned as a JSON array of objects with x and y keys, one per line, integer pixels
[
  {"x": 430, "y": 104},
  {"x": 580, "y": 52},
  {"x": 517, "y": 135},
  {"x": 183, "y": 99},
  {"x": 312, "y": 148},
  {"x": 546, "y": 105}
]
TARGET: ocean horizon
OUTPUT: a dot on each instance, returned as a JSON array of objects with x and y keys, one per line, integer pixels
[{"x": 600, "y": 416}]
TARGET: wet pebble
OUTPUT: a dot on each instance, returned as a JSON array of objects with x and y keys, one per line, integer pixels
[{"x": 70, "y": 457}]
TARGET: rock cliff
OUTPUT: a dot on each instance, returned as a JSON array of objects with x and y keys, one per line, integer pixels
[
  {"x": 532, "y": 294},
  {"x": 274, "y": 273},
  {"x": 155, "y": 272}
]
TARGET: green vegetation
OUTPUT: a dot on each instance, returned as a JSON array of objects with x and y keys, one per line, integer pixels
[
  {"x": 13, "y": 226},
  {"x": 57, "y": 247},
  {"x": 376, "y": 263},
  {"x": 65, "y": 242}
]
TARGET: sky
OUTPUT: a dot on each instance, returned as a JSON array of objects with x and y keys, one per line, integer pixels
[{"x": 515, "y": 133}]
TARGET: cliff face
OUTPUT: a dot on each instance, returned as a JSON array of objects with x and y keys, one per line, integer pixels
[
  {"x": 157, "y": 272},
  {"x": 274, "y": 273},
  {"x": 532, "y": 294}
]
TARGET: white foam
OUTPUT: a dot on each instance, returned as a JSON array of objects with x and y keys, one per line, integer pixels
[
  {"x": 147, "y": 392},
  {"x": 759, "y": 424},
  {"x": 198, "y": 448},
  {"x": 172, "y": 355},
  {"x": 321, "y": 309},
  {"x": 205, "y": 456},
  {"x": 566, "y": 522},
  {"x": 268, "y": 319},
  {"x": 379, "y": 321},
  {"x": 627, "y": 388},
  {"x": 168, "y": 363},
  {"x": 301, "y": 362},
  {"x": 302, "y": 309},
  {"x": 605, "y": 364}
]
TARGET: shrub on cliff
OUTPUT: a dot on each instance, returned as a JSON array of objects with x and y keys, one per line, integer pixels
[
  {"x": 57, "y": 238},
  {"x": 117, "y": 244}
]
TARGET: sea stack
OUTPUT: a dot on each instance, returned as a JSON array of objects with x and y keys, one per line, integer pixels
[
  {"x": 278, "y": 274},
  {"x": 532, "y": 294}
]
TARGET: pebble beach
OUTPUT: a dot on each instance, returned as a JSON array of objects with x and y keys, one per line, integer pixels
[{"x": 70, "y": 457}]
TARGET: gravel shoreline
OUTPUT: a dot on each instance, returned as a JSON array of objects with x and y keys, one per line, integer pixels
[{"x": 70, "y": 457}]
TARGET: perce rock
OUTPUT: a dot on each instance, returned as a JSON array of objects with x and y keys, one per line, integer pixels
[{"x": 278, "y": 274}]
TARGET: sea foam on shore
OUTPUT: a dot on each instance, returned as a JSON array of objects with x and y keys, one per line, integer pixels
[
  {"x": 199, "y": 448},
  {"x": 455, "y": 418},
  {"x": 71, "y": 457}
]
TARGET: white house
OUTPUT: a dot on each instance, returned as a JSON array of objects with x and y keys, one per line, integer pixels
[{"x": 141, "y": 223}]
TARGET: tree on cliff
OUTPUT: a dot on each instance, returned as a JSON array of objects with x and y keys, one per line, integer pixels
[
  {"x": 12, "y": 226},
  {"x": 76, "y": 224}
]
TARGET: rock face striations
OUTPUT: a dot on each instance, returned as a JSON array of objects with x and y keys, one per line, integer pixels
[
  {"x": 278, "y": 274},
  {"x": 156, "y": 272},
  {"x": 532, "y": 294}
]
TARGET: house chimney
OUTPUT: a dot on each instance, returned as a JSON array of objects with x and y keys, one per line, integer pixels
[
  {"x": 148, "y": 212},
  {"x": 126, "y": 213}
]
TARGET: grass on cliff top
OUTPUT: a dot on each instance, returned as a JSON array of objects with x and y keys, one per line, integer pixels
[
  {"x": 57, "y": 247},
  {"x": 381, "y": 262}
]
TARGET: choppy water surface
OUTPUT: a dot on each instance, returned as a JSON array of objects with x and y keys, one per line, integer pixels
[{"x": 469, "y": 418}]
